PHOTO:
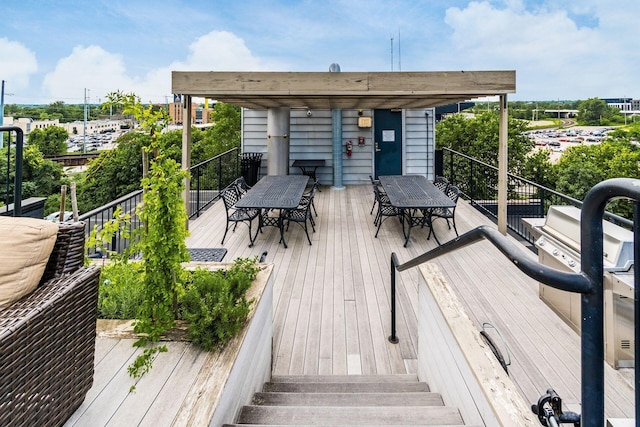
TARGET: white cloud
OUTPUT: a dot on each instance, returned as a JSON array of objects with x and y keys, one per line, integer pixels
[
  {"x": 102, "y": 72},
  {"x": 90, "y": 68},
  {"x": 19, "y": 64},
  {"x": 546, "y": 47}
]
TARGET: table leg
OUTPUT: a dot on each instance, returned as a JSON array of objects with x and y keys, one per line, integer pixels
[
  {"x": 281, "y": 226},
  {"x": 409, "y": 222}
]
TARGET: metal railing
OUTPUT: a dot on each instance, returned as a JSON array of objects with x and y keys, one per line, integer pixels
[
  {"x": 207, "y": 179},
  {"x": 98, "y": 216},
  {"x": 478, "y": 183},
  {"x": 588, "y": 282}
]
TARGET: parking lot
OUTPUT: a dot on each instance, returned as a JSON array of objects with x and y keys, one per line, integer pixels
[{"x": 558, "y": 140}]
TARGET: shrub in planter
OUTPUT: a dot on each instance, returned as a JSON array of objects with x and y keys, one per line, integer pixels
[
  {"x": 215, "y": 305},
  {"x": 120, "y": 292}
]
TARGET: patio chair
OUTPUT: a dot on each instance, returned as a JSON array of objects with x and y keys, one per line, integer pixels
[
  {"x": 385, "y": 209},
  {"x": 230, "y": 197},
  {"x": 441, "y": 183},
  {"x": 47, "y": 338},
  {"x": 307, "y": 195},
  {"x": 447, "y": 213},
  {"x": 241, "y": 185},
  {"x": 302, "y": 214},
  {"x": 375, "y": 184}
]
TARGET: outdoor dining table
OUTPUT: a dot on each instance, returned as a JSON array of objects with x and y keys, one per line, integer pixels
[
  {"x": 309, "y": 167},
  {"x": 275, "y": 192},
  {"x": 414, "y": 192}
]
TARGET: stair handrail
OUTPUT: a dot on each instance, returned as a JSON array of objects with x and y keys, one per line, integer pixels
[{"x": 588, "y": 282}]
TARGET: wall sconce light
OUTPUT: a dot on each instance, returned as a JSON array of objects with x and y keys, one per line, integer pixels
[{"x": 309, "y": 113}]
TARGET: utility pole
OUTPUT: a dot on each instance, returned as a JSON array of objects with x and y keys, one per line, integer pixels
[{"x": 84, "y": 139}]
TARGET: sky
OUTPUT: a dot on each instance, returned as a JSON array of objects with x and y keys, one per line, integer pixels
[{"x": 54, "y": 50}]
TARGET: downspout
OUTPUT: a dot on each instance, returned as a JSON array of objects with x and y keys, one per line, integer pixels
[{"x": 336, "y": 120}]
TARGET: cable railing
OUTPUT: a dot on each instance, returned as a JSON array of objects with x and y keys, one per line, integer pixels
[
  {"x": 588, "y": 282},
  {"x": 478, "y": 183}
]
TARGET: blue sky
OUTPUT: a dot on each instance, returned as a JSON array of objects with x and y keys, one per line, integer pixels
[{"x": 51, "y": 50}]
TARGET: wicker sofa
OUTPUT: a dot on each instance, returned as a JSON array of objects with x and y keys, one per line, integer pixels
[{"x": 47, "y": 339}]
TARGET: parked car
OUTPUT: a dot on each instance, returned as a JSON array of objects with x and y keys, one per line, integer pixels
[{"x": 55, "y": 217}]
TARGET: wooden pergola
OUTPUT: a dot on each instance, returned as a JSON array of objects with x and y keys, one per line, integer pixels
[{"x": 349, "y": 90}]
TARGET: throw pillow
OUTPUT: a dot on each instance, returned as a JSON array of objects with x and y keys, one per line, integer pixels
[{"x": 24, "y": 250}]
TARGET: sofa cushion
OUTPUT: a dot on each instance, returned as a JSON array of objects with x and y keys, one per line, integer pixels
[{"x": 25, "y": 246}]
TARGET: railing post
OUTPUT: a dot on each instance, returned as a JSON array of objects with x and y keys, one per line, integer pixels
[
  {"x": 219, "y": 175},
  {"x": 393, "y": 338},
  {"x": 472, "y": 182},
  {"x": 198, "y": 174}
]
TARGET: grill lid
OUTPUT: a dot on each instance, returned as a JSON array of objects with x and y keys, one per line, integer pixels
[{"x": 563, "y": 223}]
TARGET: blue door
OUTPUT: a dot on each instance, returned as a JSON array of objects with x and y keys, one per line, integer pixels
[{"x": 387, "y": 137}]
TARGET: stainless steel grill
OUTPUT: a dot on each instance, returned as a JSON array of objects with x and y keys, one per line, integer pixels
[{"x": 559, "y": 247}]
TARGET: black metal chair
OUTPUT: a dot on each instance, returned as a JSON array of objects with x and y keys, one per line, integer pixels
[
  {"x": 241, "y": 185},
  {"x": 385, "y": 209},
  {"x": 302, "y": 214},
  {"x": 441, "y": 183},
  {"x": 230, "y": 197},
  {"x": 375, "y": 184},
  {"x": 447, "y": 213},
  {"x": 307, "y": 195}
]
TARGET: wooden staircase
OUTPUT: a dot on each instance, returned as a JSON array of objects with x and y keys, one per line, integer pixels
[{"x": 349, "y": 400}]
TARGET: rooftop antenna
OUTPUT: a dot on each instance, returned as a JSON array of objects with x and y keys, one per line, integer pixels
[
  {"x": 399, "y": 53},
  {"x": 392, "y": 53}
]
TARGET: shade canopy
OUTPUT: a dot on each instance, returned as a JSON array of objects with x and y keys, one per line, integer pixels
[{"x": 347, "y": 90}]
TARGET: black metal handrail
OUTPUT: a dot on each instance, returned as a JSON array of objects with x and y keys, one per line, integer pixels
[
  {"x": 478, "y": 183},
  {"x": 588, "y": 282}
]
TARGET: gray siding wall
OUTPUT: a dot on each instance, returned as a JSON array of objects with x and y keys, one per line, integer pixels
[
  {"x": 311, "y": 138},
  {"x": 419, "y": 142}
]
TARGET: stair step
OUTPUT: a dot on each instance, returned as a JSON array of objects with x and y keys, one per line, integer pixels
[
  {"x": 318, "y": 415},
  {"x": 364, "y": 387},
  {"x": 343, "y": 425},
  {"x": 348, "y": 399},
  {"x": 400, "y": 378}
]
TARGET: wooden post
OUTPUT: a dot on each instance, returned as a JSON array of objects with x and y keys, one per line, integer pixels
[
  {"x": 63, "y": 202},
  {"x": 503, "y": 165},
  {"x": 74, "y": 202}
]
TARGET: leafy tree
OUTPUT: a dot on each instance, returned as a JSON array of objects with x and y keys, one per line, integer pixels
[
  {"x": 583, "y": 166},
  {"x": 539, "y": 169},
  {"x": 51, "y": 141},
  {"x": 478, "y": 137},
  {"x": 114, "y": 173},
  {"x": 40, "y": 177},
  {"x": 593, "y": 111},
  {"x": 226, "y": 129}
]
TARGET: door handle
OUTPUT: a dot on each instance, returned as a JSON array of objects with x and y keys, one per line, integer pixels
[{"x": 377, "y": 147}]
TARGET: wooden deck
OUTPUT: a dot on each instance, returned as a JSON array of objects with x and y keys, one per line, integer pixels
[{"x": 331, "y": 301}]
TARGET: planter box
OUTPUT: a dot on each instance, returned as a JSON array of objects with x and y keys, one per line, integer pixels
[{"x": 228, "y": 378}]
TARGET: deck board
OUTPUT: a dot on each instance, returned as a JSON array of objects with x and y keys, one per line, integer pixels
[{"x": 331, "y": 306}]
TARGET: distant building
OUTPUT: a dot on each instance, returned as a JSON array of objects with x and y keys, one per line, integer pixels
[
  {"x": 27, "y": 124},
  {"x": 199, "y": 115},
  {"x": 622, "y": 104},
  {"x": 93, "y": 126}
]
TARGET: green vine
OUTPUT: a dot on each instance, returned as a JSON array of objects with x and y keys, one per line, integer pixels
[{"x": 162, "y": 240}]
